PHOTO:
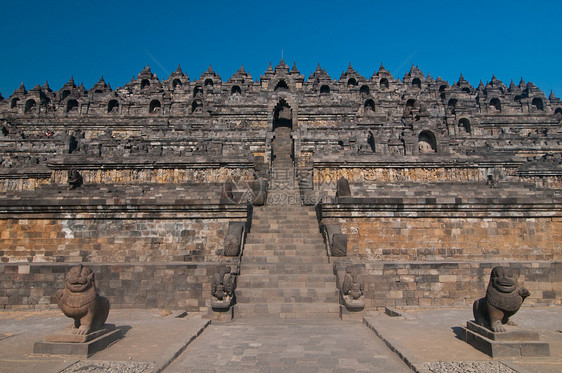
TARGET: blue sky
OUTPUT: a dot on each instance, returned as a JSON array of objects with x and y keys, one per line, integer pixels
[{"x": 55, "y": 40}]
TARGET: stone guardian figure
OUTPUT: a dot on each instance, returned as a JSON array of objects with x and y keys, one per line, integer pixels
[
  {"x": 80, "y": 301},
  {"x": 503, "y": 299}
]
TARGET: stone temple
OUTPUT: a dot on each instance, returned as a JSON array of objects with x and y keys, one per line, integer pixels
[{"x": 283, "y": 196}]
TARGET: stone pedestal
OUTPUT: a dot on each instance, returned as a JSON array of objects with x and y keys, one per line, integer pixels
[
  {"x": 351, "y": 314},
  {"x": 221, "y": 314},
  {"x": 67, "y": 343},
  {"x": 515, "y": 342}
]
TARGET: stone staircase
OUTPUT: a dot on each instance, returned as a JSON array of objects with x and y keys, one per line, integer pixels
[
  {"x": 285, "y": 272},
  {"x": 283, "y": 188}
]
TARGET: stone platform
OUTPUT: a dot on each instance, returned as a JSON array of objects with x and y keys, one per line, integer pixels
[
  {"x": 67, "y": 343},
  {"x": 514, "y": 342},
  {"x": 422, "y": 340}
]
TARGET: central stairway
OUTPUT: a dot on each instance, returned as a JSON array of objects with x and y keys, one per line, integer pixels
[{"x": 285, "y": 272}]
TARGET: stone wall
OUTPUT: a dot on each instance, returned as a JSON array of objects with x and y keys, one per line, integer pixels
[
  {"x": 437, "y": 284},
  {"x": 386, "y": 174},
  {"x": 443, "y": 238},
  {"x": 111, "y": 240},
  {"x": 158, "y": 175},
  {"x": 22, "y": 183},
  {"x": 185, "y": 286}
]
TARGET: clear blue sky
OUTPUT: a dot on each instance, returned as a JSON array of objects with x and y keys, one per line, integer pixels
[{"x": 52, "y": 40}]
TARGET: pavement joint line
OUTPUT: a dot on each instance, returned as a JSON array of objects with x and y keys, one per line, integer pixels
[
  {"x": 515, "y": 367},
  {"x": 411, "y": 361},
  {"x": 182, "y": 348}
]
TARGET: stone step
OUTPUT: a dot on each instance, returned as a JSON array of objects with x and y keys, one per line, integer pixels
[
  {"x": 286, "y": 218},
  {"x": 271, "y": 269},
  {"x": 284, "y": 246},
  {"x": 273, "y": 286},
  {"x": 282, "y": 252},
  {"x": 283, "y": 230},
  {"x": 301, "y": 259},
  {"x": 274, "y": 239},
  {"x": 287, "y": 310},
  {"x": 277, "y": 211},
  {"x": 282, "y": 257},
  {"x": 284, "y": 249},
  {"x": 286, "y": 223},
  {"x": 290, "y": 295},
  {"x": 249, "y": 280},
  {"x": 281, "y": 211}
]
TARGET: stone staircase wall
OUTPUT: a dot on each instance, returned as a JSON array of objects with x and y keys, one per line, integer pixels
[{"x": 285, "y": 271}]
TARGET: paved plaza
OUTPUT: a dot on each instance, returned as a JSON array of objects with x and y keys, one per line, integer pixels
[
  {"x": 289, "y": 346},
  {"x": 165, "y": 341}
]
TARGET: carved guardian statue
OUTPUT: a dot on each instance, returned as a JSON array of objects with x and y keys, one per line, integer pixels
[
  {"x": 80, "y": 301},
  {"x": 352, "y": 287},
  {"x": 222, "y": 287},
  {"x": 502, "y": 299}
]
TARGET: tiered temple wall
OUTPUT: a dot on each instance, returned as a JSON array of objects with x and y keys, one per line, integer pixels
[{"x": 446, "y": 179}]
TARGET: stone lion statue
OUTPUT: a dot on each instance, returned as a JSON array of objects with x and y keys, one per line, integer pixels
[
  {"x": 80, "y": 300},
  {"x": 502, "y": 299}
]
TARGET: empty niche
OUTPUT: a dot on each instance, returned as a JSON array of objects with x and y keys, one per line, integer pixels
[
  {"x": 384, "y": 83},
  {"x": 537, "y": 104},
  {"x": 281, "y": 85},
  {"x": 427, "y": 142},
  {"x": 72, "y": 144},
  {"x": 30, "y": 105},
  {"x": 365, "y": 91},
  {"x": 371, "y": 141},
  {"x": 154, "y": 107},
  {"x": 325, "y": 90},
  {"x": 451, "y": 105},
  {"x": 65, "y": 94},
  {"x": 145, "y": 83},
  {"x": 14, "y": 103},
  {"x": 496, "y": 104},
  {"x": 113, "y": 106},
  {"x": 558, "y": 112},
  {"x": 282, "y": 115},
  {"x": 71, "y": 106},
  {"x": 464, "y": 124}
]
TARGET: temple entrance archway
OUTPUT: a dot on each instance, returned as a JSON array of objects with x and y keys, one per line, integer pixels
[
  {"x": 282, "y": 145},
  {"x": 282, "y": 115}
]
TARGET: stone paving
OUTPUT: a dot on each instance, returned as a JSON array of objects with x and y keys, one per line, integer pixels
[
  {"x": 288, "y": 346},
  {"x": 428, "y": 338},
  {"x": 157, "y": 340}
]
